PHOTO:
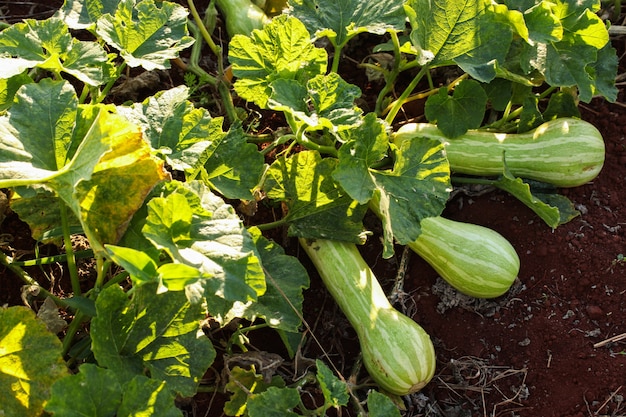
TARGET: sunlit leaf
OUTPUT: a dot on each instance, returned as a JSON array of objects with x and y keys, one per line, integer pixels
[
  {"x": 570, "y": 60},
  {"x": 281, "y": 304},
  {"x": 30, "y": 362},
  {"x": 145, "y": 397},
  {"x": 197, "y": 228},
  {"x": 93, "y": 391},
  {"x": 317, "y": 207},
  {"x": 8, "y": 88},
  {"x": 155, "y": 332},
  {"x": 80, "y": 14},
  {"x": 147, "y": 33},
  {"x": 342, "y": 20},
  {"x": 48, "y": 44},
  {"x": 283, "y": 49},
  {"x": 326, "y": 101},
  {"x": 417, "y": 187},
  {"x": 445, "y": 29}
]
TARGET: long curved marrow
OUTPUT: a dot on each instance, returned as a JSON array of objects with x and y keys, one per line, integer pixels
[
  {"x": 565, "y": 152},
  {"x": 397, "y": 352}
]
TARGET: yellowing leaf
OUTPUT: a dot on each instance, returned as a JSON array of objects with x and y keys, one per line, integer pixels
[{"x": 30, "y": 362}]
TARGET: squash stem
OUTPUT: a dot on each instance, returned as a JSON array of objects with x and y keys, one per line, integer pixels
[
  {"x": 71, "y": 257},
  {"x": 397, "y": 105},
  {"x": 390, "y": 76}
]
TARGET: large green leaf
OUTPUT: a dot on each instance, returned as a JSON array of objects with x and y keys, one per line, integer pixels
[
  {"x": 568, "y": 57},
  {"x": 147, "y": 34},
  {"x": 193, "y": 142},
  {"x": 283, "y": 49},
  {"x": 30, "y": 362},
  {"x": 444, "y": 29},
  {"x": 341, "y": 20},
  {"x": 416, "y": 187},
  {"x": 48, "y": 44},
  {"x": 228, "y": 164},
  {"x": 159, "y": 333},
  {"x": 36, "y": 133},
  {"x": 363, "y": 147},
  {"x": 197, "y": 228},
  {"x": 85, "y": 154},
  {"x": 172, "y": 124},
  {"x": 325, "y": 102},
  {"x": 93, "y": 391},
  {"x": 317, "y": 206},
  {"x": 81, "y": 14},
  {"x": 145, "y": 397},
  {"x": 281, "y": 304}
]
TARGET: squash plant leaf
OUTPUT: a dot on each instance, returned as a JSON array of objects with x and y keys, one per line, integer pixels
[
  {"x": 444, "y": 29},
  {"x": 493, "y": 39},
  {"x": 146, "y": 34},
  {"x": 30, "y": 362},
  {"x": 128, "y": 172},
  {"x": 456, "y": 114},
  {"x": 327, "y": 101},
  {"x": 81, "y": 14},
  {"x": 197, "y": 228},
  {"x": 316, "y": 206},
  {"x": 157, "y": 333},
  {"x": 341, "y": 20},
  {"x": 363, "y": 147},
  {"x": 570, "y": 59},
  {"x": 8, "y": 88},
  {"x": 226, "y": 163},
  {"x": 191, "y": 141},
  {"x": 334, "y": 390},
  {"x": 274, "y": 402},
  {"x": 36, "y": 133},
  {"x": 172, "y": 125},
  {"x": 48, "y": 44},
  {"x": 554, "y": 209},
  {"x": 603, "y": 71},
  {"x": 380, "y": 405},
  {"x": 93, "y": 391},
  {"x": 282, "y": 50},
  {"x": 281, "y": 304},
  {"x": 242, "y": 383},
  {"x": 148, "y": 397},
  {"x": 417, "y": 187}
]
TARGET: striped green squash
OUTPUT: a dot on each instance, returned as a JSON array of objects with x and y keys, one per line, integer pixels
[
  {"x": 397, "y": 352},
  {"x": 565, "y": 152},
  {"x": 474, "y": 259}
]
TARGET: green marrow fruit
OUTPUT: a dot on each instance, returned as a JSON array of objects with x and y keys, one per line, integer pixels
[
  {"x": 565, "y": 152},
  {"x": 397, "y": 352},
  {"x": 242, "y": 16},
  {"x": 475, "y": 260}
]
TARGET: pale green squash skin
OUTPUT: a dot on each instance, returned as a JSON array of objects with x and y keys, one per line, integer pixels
[
  {"x": 397, "y": 352},
  {"x": 565, "y": 152},
  {"x": 473, "y": 259}
]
